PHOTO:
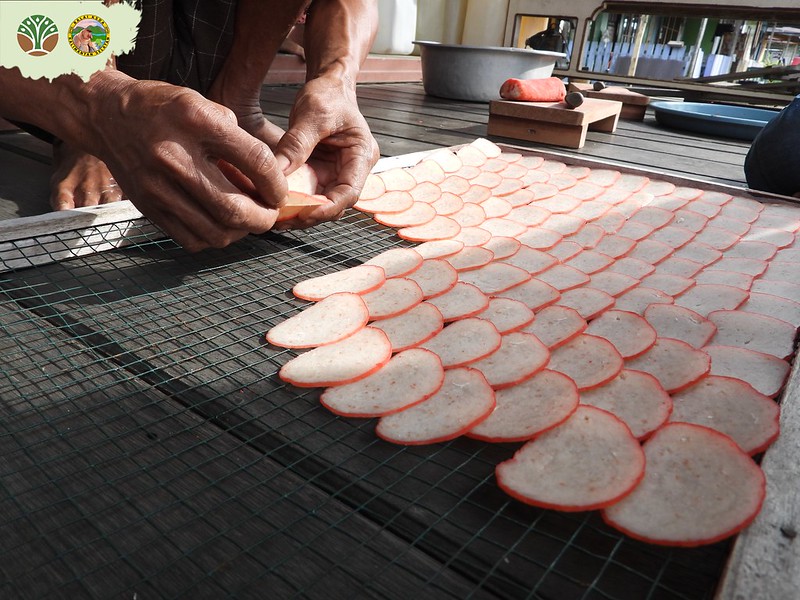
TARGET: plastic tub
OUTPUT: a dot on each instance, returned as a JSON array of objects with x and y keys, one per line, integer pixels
[
  {"x": 475, "y": 73},
  {"x": 739, "y": 122}
]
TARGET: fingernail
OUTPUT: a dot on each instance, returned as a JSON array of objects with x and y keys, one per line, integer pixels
[{"x": 283, "y": 162}]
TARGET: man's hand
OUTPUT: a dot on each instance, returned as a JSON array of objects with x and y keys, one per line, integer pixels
[{"x": 327, "y": 130}]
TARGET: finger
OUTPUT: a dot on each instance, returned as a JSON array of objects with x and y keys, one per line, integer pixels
[{"x": 296, "y": 146}]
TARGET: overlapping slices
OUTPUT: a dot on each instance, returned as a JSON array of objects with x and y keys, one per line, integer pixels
[{"x": 581, "y": 310}]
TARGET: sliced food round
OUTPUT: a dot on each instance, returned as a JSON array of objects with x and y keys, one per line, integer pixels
[
  {"x": 397, "y": 262},
  {"x": 589, "y": 461},
  {"x": 506, "y": 314},
  {"x": 389, "y": 202},
  {"x": 398, "y": 179},
  {"x": 587, "y": 301},
  {"x": 411, "y": 328},
  {"x": 529, "y": 408},
  {"x": 753, "y": 332},
  {"x": 461, "y": 301},
  {"x": 426, "y": 192},
  {"x": 764, "y": 372},
  {"x": 563, "y": 277},
  {"x": 519, "y": 356},
  {"x": 435, "y": 276},
  {"x": 699, "y": 488},
  {"x": 680, "y": 323},
  {"x": 773, "y": 306},
  {"x": 418, "y": 213},
  {"x": 387, "y": 390},
  {"x": 447, "y": 159},
  {"x": 358, "y": 280},
  {"x": 674, "y": 363},
  {"x": 495, "y": 277},
  {"x": 464, "y": 400},
  {"x": 503, "y": 247},
  {"x": 588, "y": 360},
  {"x": 532, "y": 260},
  {"x": 331, "y": 319},
  {"x": 630, "y": 333},
  {"x": 347, "y": 360},
  {"x": 556, "y": 325},
  {"x": 438, "y": 228},
  {"x": 373, "y": 188},
  {"x": 427, "y": 171},
  {"x": 705, "y": 298},
  {"x": 637, "y": 398},
  {"x": 541, "y": 238},
  {"x": 639, "y": 299},
  {"x": 732, "y": 407},
  {"x": 533, "y": 293},
  {"x": 394, "y": 297},
  {"x": 470, "y": 257},
  {"x": 454, "y": 184},
  {"x": 612, "y": 283},
  {"x": 438, "y": 248},
  {"x": 464, "y": 341}
]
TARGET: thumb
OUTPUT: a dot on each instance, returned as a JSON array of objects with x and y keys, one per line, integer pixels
[{"x": 294, "y": 148}]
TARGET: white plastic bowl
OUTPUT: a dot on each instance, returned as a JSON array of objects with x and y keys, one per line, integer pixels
[{"x": 475, "y": 73}]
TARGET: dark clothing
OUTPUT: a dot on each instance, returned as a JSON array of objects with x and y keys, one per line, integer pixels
[
  {"x": 773, "y": 161},
  {"x": 550, "y": 39}
]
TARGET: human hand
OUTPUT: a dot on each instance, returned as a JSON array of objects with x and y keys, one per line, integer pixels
[
  {"x": 327, "y": 131},
  {"x": 164, "y": 150}
]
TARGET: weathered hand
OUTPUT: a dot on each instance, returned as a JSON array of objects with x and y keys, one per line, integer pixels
[{"x": 327, "y": 130}]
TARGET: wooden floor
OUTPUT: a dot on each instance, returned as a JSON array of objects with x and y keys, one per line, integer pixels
[{"x": 147, "y": 448}]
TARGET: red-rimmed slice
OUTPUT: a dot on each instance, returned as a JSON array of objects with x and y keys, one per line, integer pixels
[
  {"x": 603, "y": 177},
  {"x": 521, "y": 197},
  {"x": 534, "y": 294},
  {"x": 464, "y": 400},
  {"x": 411, "y": 328},
  {"x": 386, "y": 391},
  {"x": 532, "y": 162},
  {"x": 394, "y": 297},
  {"x": 540, "y": 238},
  {"x": 699, "y": 488},
  {"x": 464, "y": 341},
  {"x": 531, "y": 260},
  {"x": 529, "y": 215},
  {"x": 556, "y": 325},
  {"x": 563, "y": 181},
  {"x": 358, "y": 280},
  {"x": 708, "y": 297},
  {"x": 784, "y": 289},
  {"x": 438, "y": 248},
  {"x": 519, "y": 357},
  {"x": 438, "y": 228},
  {"x": 635, "y": 397},
  {"x": 529, "y": 408},
  {"x": 612, "y": 221},
  {"x": 744, "y": 209},
  {"x": 565, "y": 249},
  {"x": 682, "y": 267},
  {"x": 754, "y": 250},
  {"x": 674, "y": 363},
  {"x": 589, "y": 261},
  {"x": 584, "y": 190},
  {"x": 454, "y": 184},
  {"x": 564, "y": 468},
  {"x": 558, "y": 204},
  {"x": 611, "y": 283},
  {"x": 447, "y": 204},
  {"x": 418, "y": 214},
  {"x": 373, "y": 188},
  {"x": 732, "y": 407},
  {"x": 470, "y": 257},
  {"x": 435, "y": 276},
  {"x": 630, "y": 333},
  {"x": 672, "y": 285},
  {"x": 489, "y": 180},
  {"x": 788, "y": 255},
  {"x": 777, "y": 270},
  {"x": 508, "y": 186},
  {"x": 503, "y": 227},
  {"x": 654, "y": 216},
  {"x": 659, "y": 187},
  {"x": 473, "y": 236},
  {"x": 514, "y": 171},
  {"x": 476, "y": 194},
  {"x": 297, "y": 202},
  {"x": 632, "y": 267},
  {"x": 589, "y": 302},
  {"x": 502, "y": 246},
  {"x": 495, "y": 207},
  {"x": 345, "y": 361},
  {"x": 631, "y": 182},
  {"x": 397, "y": 179},
  {"x": 588, "y": 360},
  {"x": 699, "y": 252},
  {"x": 687, "y": 193},
  {"x": 507, "y": 315},
  {"x": 614, "y": 196},
  {"x": 640, "y": 298},
  {"x": 489, "y": 148},
  {"x": 714, "y": 197},
  {"x": 680, "y": 323},
  {"x": 719, "y": 277},
  {"x": 447, "y": 159},
  {"x": 636, "y": 231},
  {"x": 736, "y": 226},
  {"x": 675, "y": 237},
  {"x": 495, "y": 277},
  {"x": 461, "y": 301},
  {"x": 779, "y": 216},
  {"x": 553, "y": 166},
  {"x": 511, "y": 157},
  {"x": 704, "y": 208},
  {"x": 470, "y": 215},
  {"x": 773, "y": 306},
  {"x": 468, "y": 172},
  {"x": 564, "y": 224},
  {"x": 397, "y": 262},
  {"x": 563, "y": 277},
  {"x": 717, "y": 237},
  {"x": 427, "y": 192},
  {"x": 542, "y": 191},
  {"x": 532, "y": 177},
  {"x": 331, "y": 319},
  {"x": 690, "y": 220},
  {"x": 495, "y": 165},
  {"x": 651, "y": 251},
  {"x": 578, "y": 172},
  {"x": 614, "y": 245},
  {"x": 392, "y": 201},
  {"x": 753, "y": 332},
  {"x": 589, "y": 236},
  {"x": 766, "y": 373},
  {"x": 427, "y": 171}
]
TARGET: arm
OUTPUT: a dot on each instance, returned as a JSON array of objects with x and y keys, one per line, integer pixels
[{"x": 162, "y": 144}]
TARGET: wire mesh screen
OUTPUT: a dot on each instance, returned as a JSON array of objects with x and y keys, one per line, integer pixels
[{"x": 149, "y": 449}]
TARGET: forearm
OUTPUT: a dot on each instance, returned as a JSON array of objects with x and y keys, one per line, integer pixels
[{"x": 338, "y": 37}]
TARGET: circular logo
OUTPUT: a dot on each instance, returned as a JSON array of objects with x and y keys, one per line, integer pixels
[
  {"x": 88, "y": 35},
  {"x": 37, "y": 35}
]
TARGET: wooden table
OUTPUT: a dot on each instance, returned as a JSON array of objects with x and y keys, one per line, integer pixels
[{"x": 149, "y": 449}]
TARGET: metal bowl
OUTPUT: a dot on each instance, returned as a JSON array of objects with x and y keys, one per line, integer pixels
[{"x": 475, "y": 73}]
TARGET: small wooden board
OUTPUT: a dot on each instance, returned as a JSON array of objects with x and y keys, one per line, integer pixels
[
  {"x": 552, "y": 122},
  {"x": 634, "y": 104}
]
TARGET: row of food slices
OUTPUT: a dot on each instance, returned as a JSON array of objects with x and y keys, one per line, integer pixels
[{"x": 632, "y": 333}]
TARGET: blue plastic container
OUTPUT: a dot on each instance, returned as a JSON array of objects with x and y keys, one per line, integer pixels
[{"x": 739, "y": 122}]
